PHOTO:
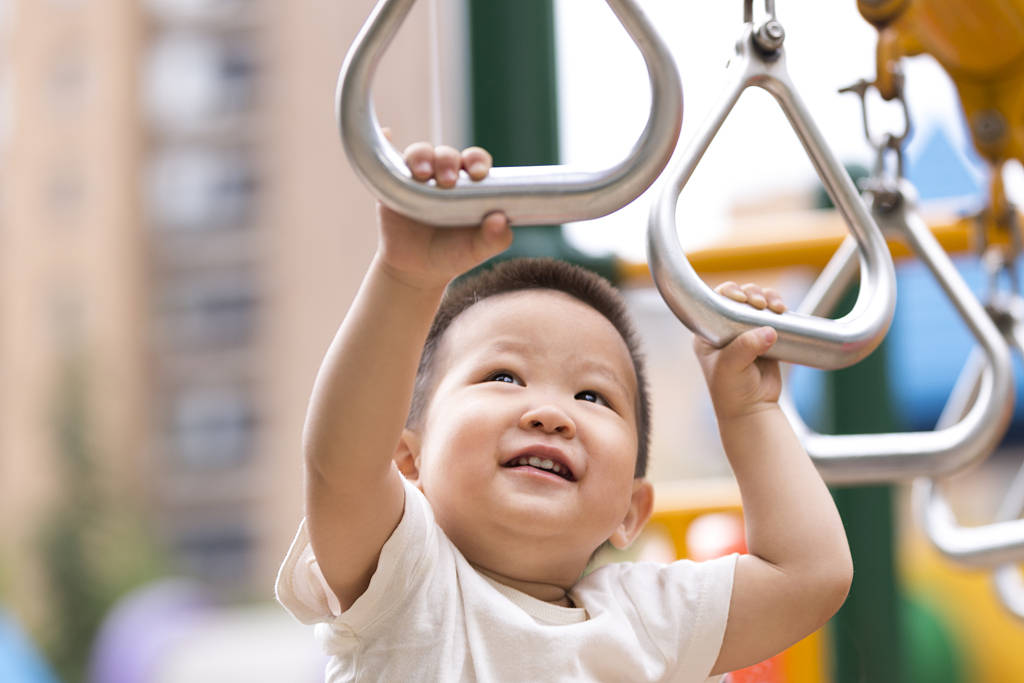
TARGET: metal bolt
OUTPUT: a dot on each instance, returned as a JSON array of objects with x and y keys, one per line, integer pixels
[
  {"x": 988, "y": 126},
  {"x": 770, "y": 35}
]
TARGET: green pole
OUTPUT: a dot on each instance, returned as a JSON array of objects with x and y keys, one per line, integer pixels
[
  {"x": 514, "y": 109},
  {"x": 866, "y": 633}
]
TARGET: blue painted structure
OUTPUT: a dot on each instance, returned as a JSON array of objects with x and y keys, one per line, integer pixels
[{"x": 19, "y": 660}]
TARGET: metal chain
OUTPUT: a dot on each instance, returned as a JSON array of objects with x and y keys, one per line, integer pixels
[
  {"x": 890, "y": 142},
  {"x": 883, "y": 183}
]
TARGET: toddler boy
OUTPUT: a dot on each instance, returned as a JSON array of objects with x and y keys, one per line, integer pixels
[{"x": 463, "y": 467}]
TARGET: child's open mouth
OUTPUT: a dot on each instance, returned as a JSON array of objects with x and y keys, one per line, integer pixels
[{"x": 544, "y": 464}]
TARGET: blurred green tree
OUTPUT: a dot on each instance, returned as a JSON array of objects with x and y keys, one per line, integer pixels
[{"x": 93, "y": 547}]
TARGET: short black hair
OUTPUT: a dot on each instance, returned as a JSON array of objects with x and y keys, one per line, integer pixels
[{"x": 537, "y": 273}]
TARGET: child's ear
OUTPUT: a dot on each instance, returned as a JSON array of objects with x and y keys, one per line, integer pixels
[
  {"x": 407, "y": 456},
  {"x": 641, "y": 505}
]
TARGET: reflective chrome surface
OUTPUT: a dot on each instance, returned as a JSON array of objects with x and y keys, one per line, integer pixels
[
  {"x": 991, "y": 544},
  {"x": 955, "y": 443},
  {"x": 804, "y": 339},
  {"x": 533, "y": 195}
]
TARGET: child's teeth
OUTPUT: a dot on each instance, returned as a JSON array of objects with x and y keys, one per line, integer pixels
[{"x": 541, "y": 463}]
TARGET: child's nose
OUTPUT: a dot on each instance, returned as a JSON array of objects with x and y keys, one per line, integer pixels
[{"x": 549, "y": 419}]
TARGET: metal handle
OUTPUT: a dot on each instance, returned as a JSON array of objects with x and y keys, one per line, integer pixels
[
  {"x": 803, "y": 339},
  {"x": 864, "y": 458},
  {"x": 991, "y": 544},
  {"x": 528, "y": 195},
  {"x": 979, "y": 546},
  {"x": 1007, "y": 579},
  {"x": 1009, "y": 586}
]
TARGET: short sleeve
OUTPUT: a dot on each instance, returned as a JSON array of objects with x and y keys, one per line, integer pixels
[
  {"x": 301, "y": 587},
  {"x": 713, "y": 595},
  {"x": 304, "y": 592},
  {"x": 678, "y": 611}
]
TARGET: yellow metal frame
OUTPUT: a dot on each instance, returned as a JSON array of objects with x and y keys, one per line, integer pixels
[
  {"x": 980, "y": 44},
  {"x": 813, "y": 238}
]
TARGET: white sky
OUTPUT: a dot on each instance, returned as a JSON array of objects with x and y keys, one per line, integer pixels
[{"x": 604, "y": 102}]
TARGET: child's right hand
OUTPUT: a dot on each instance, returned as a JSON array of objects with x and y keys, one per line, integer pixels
[
  {"x": 739, "y": 380},
  {"x": 426, "y": 256}
]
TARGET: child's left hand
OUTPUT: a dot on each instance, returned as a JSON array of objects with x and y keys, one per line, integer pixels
[{"x": 739, "y": 380}]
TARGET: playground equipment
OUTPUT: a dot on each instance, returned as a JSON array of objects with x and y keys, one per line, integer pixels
[
  {"x": 527, "y": 195},
  {"x": 981, "y": 47},
  {"x": 760, "y": 61},
  {"x": 950, "y": 447},
  {"x": 986, "y": 70}
]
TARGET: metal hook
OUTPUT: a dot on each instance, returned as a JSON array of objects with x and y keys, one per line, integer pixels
[
  {"x": 803, "y": 339},
  {"x": 527, "y": 195},
  {"x": 869, "y": 458}
]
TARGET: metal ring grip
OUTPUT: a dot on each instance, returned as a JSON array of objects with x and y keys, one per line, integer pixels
[
  {"x": 1007, "y": 579},
  {"x": 528, "y": 195},
  {"x": 1009, "y": 585},
  {"x": 868, "y": 458},
  {"x": 991, "y": 544},
  {"x": 813, "y": 341}
]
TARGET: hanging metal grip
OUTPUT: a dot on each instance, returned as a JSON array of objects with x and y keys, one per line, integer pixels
[
  {"x": 1007, "y": 579},
  {"x": 528, "y": 195},
  {"x": 869, "y": 458},
  {"x": 990, "y": 544},
  {"x": 803, "y": 339}
]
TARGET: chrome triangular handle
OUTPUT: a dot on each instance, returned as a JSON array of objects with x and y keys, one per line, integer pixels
[
  {"x": 954, "y": 443},
  {"x": 807, "y": 340},
  {"x": 528, "y": 195},
  {"x": 1002, "y": 541}
]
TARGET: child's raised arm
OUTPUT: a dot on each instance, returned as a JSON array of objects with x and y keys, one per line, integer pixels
[
  {"x": 798, "y": 569},
  {"x": 356, "y": 415}
]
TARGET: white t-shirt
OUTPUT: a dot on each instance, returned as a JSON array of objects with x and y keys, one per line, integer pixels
[{"x": 428, "y": 615}]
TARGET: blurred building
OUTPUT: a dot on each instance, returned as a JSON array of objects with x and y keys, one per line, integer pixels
[{"x": 179, "y": 224}]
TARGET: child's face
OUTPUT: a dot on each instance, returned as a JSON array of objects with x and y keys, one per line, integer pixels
[{"x": 530, "y": 377}]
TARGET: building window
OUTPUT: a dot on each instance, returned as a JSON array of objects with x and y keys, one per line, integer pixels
[
  {"x": 212, "y": 427},
  {"x": 201, "y": 10},
  {"x": 211, "y": 310},
  {"x": 64, "y": 193},
  {"x": 216, "y": 554},
  {"x": 195, "y": 82},
  {"x": 200, "y": 188},
  {"x": 66, "y": 83}
]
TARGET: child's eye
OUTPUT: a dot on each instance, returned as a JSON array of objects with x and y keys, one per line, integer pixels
[
  {"x": 592, "y": 397},
  {"x": 503, "y": 376}
]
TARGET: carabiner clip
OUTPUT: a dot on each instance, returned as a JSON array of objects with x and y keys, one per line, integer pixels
[
  {"x": 870, "y": 458},
  {"x": 808, "y": 340},
  {"x": 535, "y": 195}
]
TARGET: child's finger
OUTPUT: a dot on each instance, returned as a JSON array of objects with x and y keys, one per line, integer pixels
[
  {"x": 477, "y": 161},
  {"x": 732, "y": 290},
  {"x": 755, "y": 297},
  {"x": 419, "y": 157},
  {"x": 746, "y": 348},
  {"x": 447, "y": 161},
  {"x": 775, "y": 302},
  {"x": 386, "y": 131},
  {"x": 494, "y": 236}
]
